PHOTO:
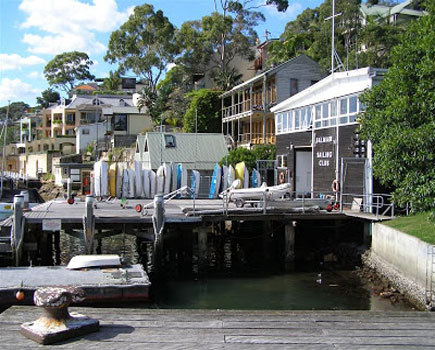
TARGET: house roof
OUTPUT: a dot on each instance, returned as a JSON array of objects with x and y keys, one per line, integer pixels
[
  {"x": 79, "y": 101},
  {"x": 384, "y": 10},
  {"x": 201, "y": 151},
  {"x": 333, "y": 86},
  {"x": 268, "y": 72}
]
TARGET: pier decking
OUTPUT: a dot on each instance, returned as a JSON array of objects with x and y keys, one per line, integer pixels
[{"x": 154, "y": 329}]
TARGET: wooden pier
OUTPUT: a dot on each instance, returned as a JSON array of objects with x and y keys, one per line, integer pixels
[{"x": 154, "y": 329}]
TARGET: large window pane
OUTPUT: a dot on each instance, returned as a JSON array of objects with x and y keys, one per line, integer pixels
[
  {"x": 333, "y": 106},
  {"x": 297, "y": 119},
  {"x": 343, "y": 106},
  {"x": 352, "y": 104},
  {"x": 318, "y": 109},
  {"x": 279, "y": 123},
  {"x": 325, "y": 111},
  {"x": 284, "y": 122},
  {"x": 290, "y": 120}
]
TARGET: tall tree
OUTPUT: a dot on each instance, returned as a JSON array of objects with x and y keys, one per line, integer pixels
[
  {"x": 205, "y": 110},
  {"x": 47, "y": 96},
  {"x": 400, "y": 117},
  {"x": 213, "y": 42},
  {"x": 67, "y": 68},
  {"x": 144, "y": 44}
]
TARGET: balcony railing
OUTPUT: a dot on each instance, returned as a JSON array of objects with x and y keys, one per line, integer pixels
[{"x": 255, "y": 139}]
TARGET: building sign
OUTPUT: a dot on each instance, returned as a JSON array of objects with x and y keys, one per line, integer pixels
[
  {"x": 324, "y": 156},
  {"x": 51, "y": 224}
]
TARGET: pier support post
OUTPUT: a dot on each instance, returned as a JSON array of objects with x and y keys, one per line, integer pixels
[
  {"x": 289, "y": 247},
  {"x": 68, "y": 188},
  {"x": 57, "y": 247},
  {"x": 89, "y": 222},
  {"x": 367, "y": 234},
  {"x": 158, "y": 215},
  {"x": 17, "y": 229},
  {"x": 25, "y": 204},
  {"x": 202, "y": 249}
]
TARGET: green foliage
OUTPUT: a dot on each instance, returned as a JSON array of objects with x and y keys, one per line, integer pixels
[
  {"x": 112, "y": 82},
  {"x": 64, "y": 70},
  {"x": 250, "y": 157},
  {"x": 213, "y": 42},
  {"x": 47, "y": 96},
  {"x": 400, "y": 118},
  {"x": 144, "y": 44},
  {"x": 16, "y": 111},
  {"x": 310, "y": 34},
  {"x": 207, "y": 105}
]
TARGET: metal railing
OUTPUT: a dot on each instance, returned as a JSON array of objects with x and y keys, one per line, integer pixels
[
  {"x": 255, "y": 138},
  {"x": 375, "y": 203}
]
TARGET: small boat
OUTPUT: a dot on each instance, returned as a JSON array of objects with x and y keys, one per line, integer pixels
[
  {"x": 112, "y": 179},
  {"x": 146, "y": 183},
  {"x": 119, "y": 179},
  {"x": 168, "y": 180},
  {"x": 255, "y": 178},
  {"x": 160, "y": 180},
  {"x": 87, "y": 261},
  {"x": 231, "y": 176},
  {"x": 153, "y": 183},
  {"x": 101, "y": 179},
  {"x": 131, "y": 183},
  {"x": 195, "y": 183},
  {"x": 215, "y": 181},
  {"x": 224, "y": 182},
  {"x": 241, "y": 196},
  {"x": 138, "y": 185}
]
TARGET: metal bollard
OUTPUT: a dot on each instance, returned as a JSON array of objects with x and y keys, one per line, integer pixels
[
  {"x": 56, "y": 323},
  {"x": 25, "y": 195}
]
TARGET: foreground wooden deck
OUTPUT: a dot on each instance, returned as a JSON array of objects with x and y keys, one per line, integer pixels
[{"x": 209, "y": 330}]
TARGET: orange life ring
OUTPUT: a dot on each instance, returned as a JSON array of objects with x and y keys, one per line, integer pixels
[
  {"x": 335, "y": 186},
  {"x": 281, "y": 178}
]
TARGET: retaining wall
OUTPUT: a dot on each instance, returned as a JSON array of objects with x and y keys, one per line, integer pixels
[{"x": 402, "y": 259}]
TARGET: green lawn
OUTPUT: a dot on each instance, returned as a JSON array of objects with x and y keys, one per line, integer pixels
[{"x": 416, "y": 225}]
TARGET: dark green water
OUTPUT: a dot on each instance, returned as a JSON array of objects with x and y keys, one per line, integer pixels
[
  {"x": 238, "y": 278},
  {"x": 337, "y": 290}
]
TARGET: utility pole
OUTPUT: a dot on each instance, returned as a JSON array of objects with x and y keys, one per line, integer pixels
[{"x": 5, "y": 129}]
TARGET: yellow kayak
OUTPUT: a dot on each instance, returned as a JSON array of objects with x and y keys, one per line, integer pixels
[
  {"x": 240, "y": 171},
  {"x": 112, "y": 179}
]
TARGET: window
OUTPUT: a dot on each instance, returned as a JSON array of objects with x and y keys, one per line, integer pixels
[
  {"x": 343, "y": 106},
  {"x": 333, "y": 106},
  {"x": 122, "y": 103},
  {"x": 45, "y": 147},
  {"x": 96, "y": 102},
  {"x": 353, "y": 101},
  {"x": 65, "y": 171},
  {"x": 85, "y": 131},
  {"x": 284, "y": 122},
  {"x": 70, "y": 118},
  {"x": 169, "y": 141},
  {"x": 325, "y": 111},
  {"x": 294, "y": 88},
  {"x": 119, "y": 122}
]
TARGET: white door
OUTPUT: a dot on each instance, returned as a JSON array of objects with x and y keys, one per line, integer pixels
[{"x": 303, "y": 171}]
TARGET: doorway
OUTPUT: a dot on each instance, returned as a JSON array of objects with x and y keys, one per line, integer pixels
[{"x": 303, "y": 172}]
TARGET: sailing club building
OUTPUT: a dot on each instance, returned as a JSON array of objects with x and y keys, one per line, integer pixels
[{"x": 317, "y": 136}]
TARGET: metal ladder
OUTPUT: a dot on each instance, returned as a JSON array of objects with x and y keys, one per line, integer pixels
[{"x": 430, "y": 277}]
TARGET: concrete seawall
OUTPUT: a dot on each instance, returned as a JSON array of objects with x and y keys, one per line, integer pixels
[{"x": 402, "y": 259}]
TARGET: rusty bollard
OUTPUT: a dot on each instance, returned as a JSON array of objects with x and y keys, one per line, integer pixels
[{"x": 56, "y": 323}]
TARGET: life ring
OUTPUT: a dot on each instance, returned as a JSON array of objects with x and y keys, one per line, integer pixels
[
  {"x": 335, "y": 186},
  {"x": 281, "y": 178}
]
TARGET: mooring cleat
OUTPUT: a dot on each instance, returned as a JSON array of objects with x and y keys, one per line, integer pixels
[{"x": 56, "y": 323}]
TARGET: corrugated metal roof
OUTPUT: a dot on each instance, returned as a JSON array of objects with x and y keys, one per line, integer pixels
[
  {"x": 105, "y": 100},
  {"x": 202, "y": 150}
]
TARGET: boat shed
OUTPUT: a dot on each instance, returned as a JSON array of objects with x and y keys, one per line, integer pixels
[
  {"x": 195, "y": 151},
  {"x": 318, "y": 135}
]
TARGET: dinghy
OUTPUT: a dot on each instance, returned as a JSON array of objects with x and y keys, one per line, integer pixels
[
  {"x": 240, "y": 172},
  {"x": 195, "y": 183},
  {"x": 255, "y": 178},
  {"x": 146, "y": 183},
  {"x": 101, "y": 179},
  {"x": 215, "y": 181},
  {"x": 224, "y": 182},
  {"x": 153, "y": 183},
  {"x": 240, "y": 196},
  {"x": 138, "y": 179},
  {"x": 231, "y": 176},
  {"x": 168, "y": 179},
  {"x": 112, "y": 179},
  {"x": 174, "y": 167},
  {"x": 119, "y": 177},
  {"x": 246, "y": 178},
  {"x": 124, "y": 187},
  {"x": 160, "y": 179},
  {"x": 131, "y": 183}
]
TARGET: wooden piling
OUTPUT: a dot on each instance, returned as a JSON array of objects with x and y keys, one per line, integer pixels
[
  {"x": 17, "y": 237},
  {"x": 289, "y": 232},
  {"x": 89, "y": 225}
]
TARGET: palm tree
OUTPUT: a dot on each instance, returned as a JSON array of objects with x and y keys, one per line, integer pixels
[{"x": 112, "y": 82}]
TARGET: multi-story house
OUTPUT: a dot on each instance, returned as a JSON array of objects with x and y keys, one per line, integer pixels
[
  {"x": 397, "y": 13},
  {"x": 246, "y": 116}
]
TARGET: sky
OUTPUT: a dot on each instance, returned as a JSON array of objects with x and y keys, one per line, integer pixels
[{"x": 32, "y": 32}]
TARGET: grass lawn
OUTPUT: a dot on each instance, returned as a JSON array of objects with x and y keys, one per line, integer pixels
[{"x": 415, "y": 225}]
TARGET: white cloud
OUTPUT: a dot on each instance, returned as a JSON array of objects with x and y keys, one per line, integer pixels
[
  {"x": 14, "y": 61},
  {"x": 34, "y": 75},
  {"x": 16, "y": 90},
  {"x": 70, "y": 24}
]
